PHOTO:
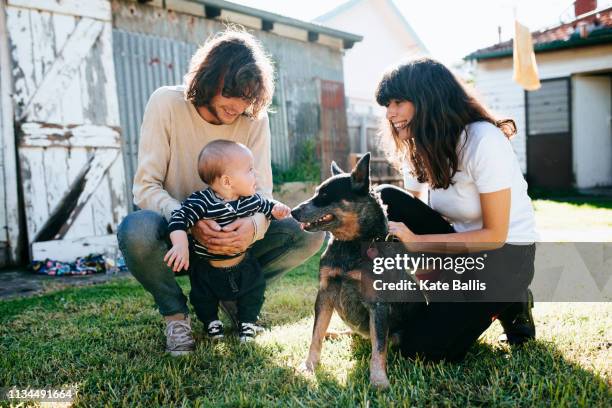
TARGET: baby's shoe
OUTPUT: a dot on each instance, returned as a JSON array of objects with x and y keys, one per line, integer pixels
[
  {"x": 247, "y": 332},
  {"x": 215, "y": 330}
]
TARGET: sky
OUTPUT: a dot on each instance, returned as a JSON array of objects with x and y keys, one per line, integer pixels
[{"x": 450, "y": 29}]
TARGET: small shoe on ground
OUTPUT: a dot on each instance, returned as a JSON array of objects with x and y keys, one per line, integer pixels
[
  {"x": 215, "y": 330},
  {"x": 247, "y": 332},
  {"x": 518, "y": 323},
  {"x": 179, "y": 340},
  {"x": 259, "y": 327}
]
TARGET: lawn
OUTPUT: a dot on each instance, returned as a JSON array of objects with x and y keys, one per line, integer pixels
[
  {"x": 108, "y": 340},
  {"x": 574, "y": 213}
]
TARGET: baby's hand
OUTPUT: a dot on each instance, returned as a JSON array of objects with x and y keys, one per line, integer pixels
[
  {"x": 280, "y": 211},
  {"x": 178, "y": 256}
]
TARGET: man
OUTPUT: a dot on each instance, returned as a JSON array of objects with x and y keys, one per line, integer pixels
[{"x": 227, "y": 91}]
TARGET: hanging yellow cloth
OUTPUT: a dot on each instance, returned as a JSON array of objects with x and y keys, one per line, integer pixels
[{"x": 525, "y": 66}]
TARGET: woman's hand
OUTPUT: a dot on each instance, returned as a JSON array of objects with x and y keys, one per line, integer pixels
[
  {"x": 402, "y": 232},
  {"x": 231, "y": 239}
]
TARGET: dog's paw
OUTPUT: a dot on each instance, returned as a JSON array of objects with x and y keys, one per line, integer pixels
[
  {"x": 307, "y": 367},
  {"x": 379, "y": 380}
]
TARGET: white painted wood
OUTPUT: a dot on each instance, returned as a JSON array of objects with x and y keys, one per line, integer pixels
[
  {"x": 63, "y": 25},
  {"x": 98, "y": 9},
  {"x": 66, "y": 66},
  {"x": 77, "y": 159},
  {"x": 71, "y": 107},
  {"x": 119, "y": 200},
  {"x": 67, "y": 250},
  {"x": 84, "y": 94},
  {"x": 34, "y": 188},
  {"x": 18, "y": 27},
  {"x": 10, "y": 215},
  {"x": 100, "y": 164},
  {"x": 41, "y": 135},
  {"x": 36, "y": 185},
  {"x": 65, "y": 92},
  {"x": 83, "y": 225},
  {"x": 56, "y": 174},
  {"x": 41, "y": 26},
  {"x": 102, "y": 213},
  {"x": 109, "y": 85},
  {"x": 592, "y": 135}
]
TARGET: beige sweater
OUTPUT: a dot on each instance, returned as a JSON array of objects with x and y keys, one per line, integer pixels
[{"x": 171, "y": 137}]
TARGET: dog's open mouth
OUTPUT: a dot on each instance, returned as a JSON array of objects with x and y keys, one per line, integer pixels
[{"x": 326, "y": 219}]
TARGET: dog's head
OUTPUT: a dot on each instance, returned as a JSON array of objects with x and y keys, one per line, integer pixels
[{"x": 344, "y": 205}]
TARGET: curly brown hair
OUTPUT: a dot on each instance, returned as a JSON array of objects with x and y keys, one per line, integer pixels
[
  {"x": 443, "y": 109},
  {"x": 234, "y": 64}
]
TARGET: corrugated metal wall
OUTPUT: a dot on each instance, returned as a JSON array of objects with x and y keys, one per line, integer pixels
[
  {"x": 279, "y": 129},
  {"x": 143, "y": 63},
  {"x": 548, "y": 108}
]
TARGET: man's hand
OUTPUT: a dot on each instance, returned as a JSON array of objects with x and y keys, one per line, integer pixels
[
  {"x": 231, "y": 239},
  {"x": 177, "y": 257},
  {"x": 280, "y": 211}
]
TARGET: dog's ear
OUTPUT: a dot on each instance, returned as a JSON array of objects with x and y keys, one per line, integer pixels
[
  {"x": 360, "y": 176},
  {"x": 335, "y": 169}
]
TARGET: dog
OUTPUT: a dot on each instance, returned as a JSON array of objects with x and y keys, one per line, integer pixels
[{"x": 347, "y": 207}]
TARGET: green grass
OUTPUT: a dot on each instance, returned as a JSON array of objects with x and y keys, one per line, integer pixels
[
  {"x": 108, "y": 341},
  {"x": 573, "y": 213}
]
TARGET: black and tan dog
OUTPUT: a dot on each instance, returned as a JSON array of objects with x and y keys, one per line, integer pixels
[{"x": 346, "y": 206}]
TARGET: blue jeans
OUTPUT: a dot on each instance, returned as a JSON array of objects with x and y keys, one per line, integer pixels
[{"x": 143, "y": 240}]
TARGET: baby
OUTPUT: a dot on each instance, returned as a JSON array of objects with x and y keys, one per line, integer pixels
[{"x": 227, "y": 168}]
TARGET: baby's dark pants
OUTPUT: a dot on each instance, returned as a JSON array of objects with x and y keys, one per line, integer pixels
[{"x": 243, "y": 282}]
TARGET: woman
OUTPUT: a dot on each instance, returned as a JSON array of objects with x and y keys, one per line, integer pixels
[{"x": 445, "y": 141}]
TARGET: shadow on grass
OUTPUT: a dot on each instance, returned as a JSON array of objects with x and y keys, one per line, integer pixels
[{"x": 536, "y": 374}]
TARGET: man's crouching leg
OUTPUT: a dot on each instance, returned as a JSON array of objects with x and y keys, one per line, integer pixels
[
  {"x": 143, "y": 240},
  {"x": 284, "y": 247}
]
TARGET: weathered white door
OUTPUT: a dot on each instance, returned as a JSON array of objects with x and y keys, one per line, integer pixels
[
  {"x": 67, "y": 124},
  {"x": 9, "y": 215}
]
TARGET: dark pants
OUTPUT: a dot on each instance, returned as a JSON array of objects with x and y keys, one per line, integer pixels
[
  {"x": 243, "y": 282},
  {"x": 143, "y": 240},
  {"x": 446, "y": 330}
]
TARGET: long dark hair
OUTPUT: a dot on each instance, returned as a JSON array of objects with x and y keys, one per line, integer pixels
[
  {"x": 234, "y": 63},
  {"x": 443, "y": 109}
]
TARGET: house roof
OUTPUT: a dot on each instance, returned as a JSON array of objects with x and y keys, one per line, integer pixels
[
  {"x": 589, "y": 29},
  {"x": 269, "y": 17},
  {"x": 351, "y": 3}
]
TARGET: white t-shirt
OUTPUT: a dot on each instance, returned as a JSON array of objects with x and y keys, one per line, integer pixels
[{"x": 487, "y": 163}]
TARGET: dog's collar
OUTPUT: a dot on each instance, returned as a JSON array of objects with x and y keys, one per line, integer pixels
[{"x": 372, "y": 252}]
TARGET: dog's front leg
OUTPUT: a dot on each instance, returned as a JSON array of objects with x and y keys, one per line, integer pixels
[
  {"x": 379, "y": 331},
  {"x": 324, "y": 307}
]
